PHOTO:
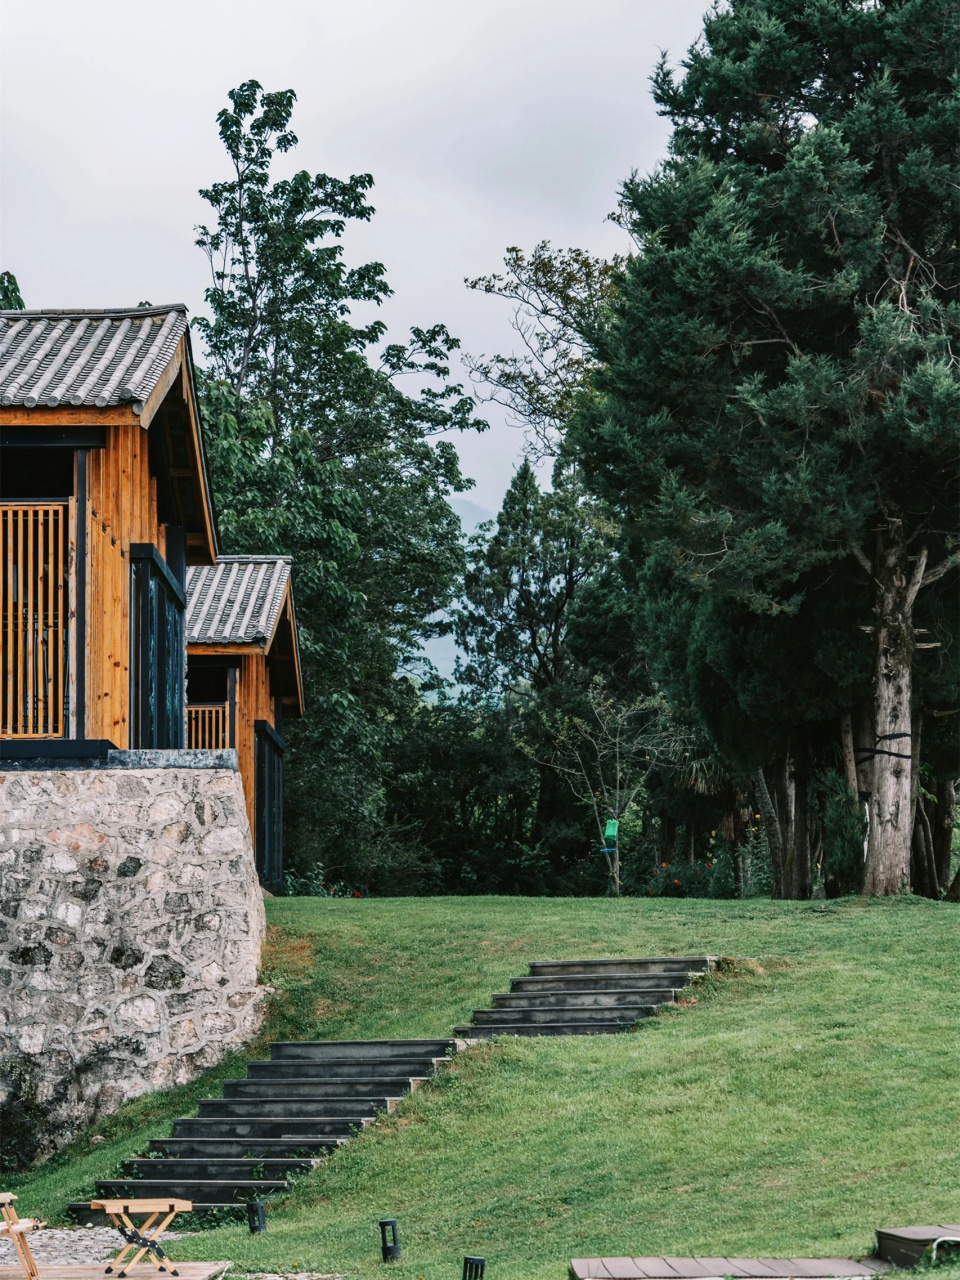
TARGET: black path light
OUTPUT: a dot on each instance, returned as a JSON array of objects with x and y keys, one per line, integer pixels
[
  {"x": 389, "y": 1240},
  {"x": 256, "y": 1217},
  {"x": 473, "y": 1268}
]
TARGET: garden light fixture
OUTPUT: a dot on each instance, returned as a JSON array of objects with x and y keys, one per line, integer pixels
[{"x": 389, "y": 1240}]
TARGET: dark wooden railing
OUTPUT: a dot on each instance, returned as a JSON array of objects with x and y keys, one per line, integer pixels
[{"x": 34, "y": 618}]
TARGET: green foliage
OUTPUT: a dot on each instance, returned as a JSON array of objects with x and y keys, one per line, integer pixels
[
  {"x": 844, "y": 829},
  {"x": 10, "y": 299},
  {"x": 712, "y": 878},
  {"x": 773, "y": 418},
  {"x": 316, "y": 452},
  {"x": 522, "y": 580},
  {"x": 763, "y": 1111}
]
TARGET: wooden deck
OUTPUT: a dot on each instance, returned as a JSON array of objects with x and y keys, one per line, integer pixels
[
  {"x": 715, "y": 1268},
  {"x": 187, "y": 1271}
]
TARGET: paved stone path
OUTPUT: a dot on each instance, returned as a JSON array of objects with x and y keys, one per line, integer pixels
[{"x": 82, "y": 1246}]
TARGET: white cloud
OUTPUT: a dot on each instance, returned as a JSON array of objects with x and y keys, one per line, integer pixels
[{"x": 490, "y": 124}]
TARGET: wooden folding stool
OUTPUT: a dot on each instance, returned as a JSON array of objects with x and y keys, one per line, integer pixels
[
  {"x": 146, "y": 1238},
  {"x": 16, "y": 1229}
]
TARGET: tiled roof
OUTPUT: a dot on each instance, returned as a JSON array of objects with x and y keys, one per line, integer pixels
[
  {"x": 237, "y": 600},
  {"x": 86, "y": 357}
]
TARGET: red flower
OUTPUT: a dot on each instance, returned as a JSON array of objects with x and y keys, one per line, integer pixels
[
  {"x": 357, "y": 894},
  {"x": 676, "y": 882},
  {"x": 663, "y": 864}
]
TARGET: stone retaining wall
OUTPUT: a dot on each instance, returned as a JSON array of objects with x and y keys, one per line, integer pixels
[{"x": 130, "y": 929}]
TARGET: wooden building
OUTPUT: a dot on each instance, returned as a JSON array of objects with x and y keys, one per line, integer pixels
[
  {"x": 244, "y": 680},
  {"x": 104, "y": 503}
]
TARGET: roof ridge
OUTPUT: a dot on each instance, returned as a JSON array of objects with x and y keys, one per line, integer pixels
[
  {"x": 40, "y": 313},
  {"x": 251, "y": 556}
]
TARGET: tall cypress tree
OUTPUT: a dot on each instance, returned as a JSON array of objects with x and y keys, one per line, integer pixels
[{"x": 779, "y": 391}]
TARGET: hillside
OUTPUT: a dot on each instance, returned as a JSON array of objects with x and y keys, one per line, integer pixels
[{"x": 798, "y": 1103}]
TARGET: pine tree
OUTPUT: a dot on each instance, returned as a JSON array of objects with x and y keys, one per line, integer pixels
[{"x": 779, "y": 390}]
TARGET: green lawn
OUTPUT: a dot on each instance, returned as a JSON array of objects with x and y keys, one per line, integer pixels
[{"x": 789, "y": 1111}]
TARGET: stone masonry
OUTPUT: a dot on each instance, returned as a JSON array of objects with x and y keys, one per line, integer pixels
[{"x": 130, "y": 929}]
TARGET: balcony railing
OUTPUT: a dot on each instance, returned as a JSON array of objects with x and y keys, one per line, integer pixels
[
  {"x": 34, "y": 613},
  {"x": 208, "y": 726}
]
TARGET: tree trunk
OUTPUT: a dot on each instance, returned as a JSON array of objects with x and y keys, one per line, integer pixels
[
  {"x": 953, "y": 893},
  {"x": 771, "y": 829},
  {"x": 919, "y": 877},
  {"x": 932, "y": 889},
  {"x": 668, "y": 838},
  {"x": 887, "y": 868},
  {"x": 802, "y": 874},
  {"x": 691, "y": 842},
  {"x": 942, "y": 823},
  {"x": 786, "y": 810},
  {"x": 739, "y": 888},
  {"x": 849, "y": 755}
]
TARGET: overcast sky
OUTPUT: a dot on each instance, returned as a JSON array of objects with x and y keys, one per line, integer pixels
[{"x": 484, "y": 125}]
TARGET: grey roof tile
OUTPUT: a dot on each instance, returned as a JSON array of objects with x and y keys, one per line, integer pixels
[
  {"x": 86, "y": 357},
  {"x": 237, "y": 600}
]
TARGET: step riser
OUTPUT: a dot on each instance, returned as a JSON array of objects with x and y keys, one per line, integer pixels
[
  {"x": 626, "y": 1015},
  {"x": 613, "y": 968},
  {"x": 378, "y": 1087},
  {"x": 202, "y": 1192},
  {"x": 230, "y": 1108},
  {"x": 544, "y": 1029},
  {"x": 244, "y": 1148},
  {"x": 279, "y": 1128},
  {"x": 215, "y": 1170},
  {"x": 359, "y": 1050},
  {"x": 346, "y": 1069},
  {"x": 598, "y": 1000},
  {"x": 600, "y": 982}
]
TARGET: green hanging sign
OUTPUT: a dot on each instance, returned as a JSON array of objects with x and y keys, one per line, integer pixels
[{"x": 611, "y": 829}]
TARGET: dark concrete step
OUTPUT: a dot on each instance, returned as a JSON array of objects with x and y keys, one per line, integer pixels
[
  {"x": 542, "y": 1029},
  {"x": 584, "y": 999},
  {"x": 343, "y": 1087},
  {"x": 225, "y": 1192},
  {"x": 905, "y": 1246},
  {"x": 242, "y": 1148},
  {"x": 626, "y": 1014},
  {"x": 276, "y": 1105},
  {"x": 266, "y": 1126},
  {"x": 599, "y": 982},
  {"x": 343, "y": 1069},
  {"x": 213, "y": 1170},
  {"x": 655, "y": 964},
  {"x": 357, "y": 1050}
]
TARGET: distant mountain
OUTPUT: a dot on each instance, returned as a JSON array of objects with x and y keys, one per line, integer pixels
[{"x": 470, "y": 514}]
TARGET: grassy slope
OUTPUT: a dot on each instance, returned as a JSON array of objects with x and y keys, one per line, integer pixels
[{"x": 787, "y": 1112}]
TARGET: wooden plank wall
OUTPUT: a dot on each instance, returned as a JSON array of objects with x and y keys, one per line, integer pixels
[
  {"x": 121, "y": 509},
  {"x": 253, "y": 703}
]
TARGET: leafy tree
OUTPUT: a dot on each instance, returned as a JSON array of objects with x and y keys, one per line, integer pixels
[
  {"x": 522, "y": 580},
  {"x": 778, "y": 399},
  {"x": 558, "y": 296},
  {"x": 10, "y": 299},
  {"x": 316, "y": 451}
]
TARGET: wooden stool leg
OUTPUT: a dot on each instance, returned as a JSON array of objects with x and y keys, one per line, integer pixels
[
  {"x": 141, "y": 1250},
  {"x": 120, "y": 1222},
  {"x": 154, "y": 1239},
  {"x": 25, "y": 1255}
]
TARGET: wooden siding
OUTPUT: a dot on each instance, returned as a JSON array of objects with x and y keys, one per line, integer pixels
[
  {"x": 254, "y": 702},
  {"x": 121, "y": 509}
]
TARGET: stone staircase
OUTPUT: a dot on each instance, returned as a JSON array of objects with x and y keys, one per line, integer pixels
[
  {"x": 584, "y": 997},
  {"x": 306, "y": 1100}
]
